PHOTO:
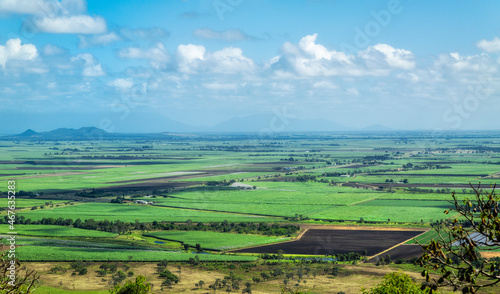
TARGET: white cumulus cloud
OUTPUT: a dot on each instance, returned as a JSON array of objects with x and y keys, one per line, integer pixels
[
  {"x": 310, "y": 59},
  {"x": 383, "y": 55},
  {"x": 230, "y": 60},
  {"x": 74, "y": 24},
  {"x": 28, "y": 6},
  {"x": 43, "y": 7},
  {"x": 189, "y": 57},
  {"x": 99, "y": 40},
  {"x": 455, "y": 63},
  {"x": 91, "y": 66},
  {"x": 122, "y": 84},
  {"x": 316, "y": 51},
  {"x": 489, "y": 46},
  {"x": 14, "y": 50},
  {"x": 158, "y": 55},
  {"x": 59, "y": 17}
]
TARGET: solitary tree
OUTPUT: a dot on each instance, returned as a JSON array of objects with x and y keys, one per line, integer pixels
[{"x": 455, "y": 253}]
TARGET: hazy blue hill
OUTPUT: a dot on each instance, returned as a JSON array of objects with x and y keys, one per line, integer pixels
[
  {"x": 61, "y": 132},
  {"x": 131, "y": 122},
  {"x": 29, "y": 133},
  {"x": 151, "y": 124},
  {"x": 90, "y": 132},
  {"x": 273, "y": 123}
]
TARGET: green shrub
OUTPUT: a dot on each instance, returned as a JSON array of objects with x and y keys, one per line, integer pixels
[
  {"x": 137, "y": 287},
  {"x": 169, "y": 276},
  {"x": 396, "y": 283}
]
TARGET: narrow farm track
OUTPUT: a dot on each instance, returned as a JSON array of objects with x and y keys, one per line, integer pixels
[{"x": 397, "y": 245}]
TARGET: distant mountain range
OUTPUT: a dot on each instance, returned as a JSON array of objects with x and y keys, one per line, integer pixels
[
  {"x": 61, "y": 133},
  {"x": 154, "y": 124},
  {"x": 133, "y": 122}
]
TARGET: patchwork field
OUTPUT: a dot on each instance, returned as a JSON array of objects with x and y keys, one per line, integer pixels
[
  {"x": 214, "y": 240},
  {"x": 51, "y": 253},
  {"x": 54, "y": 231},
  {"x": 132, "y": 212},
  {"x": 331, "y": 242},
  {"x": 147, "y": 199}
]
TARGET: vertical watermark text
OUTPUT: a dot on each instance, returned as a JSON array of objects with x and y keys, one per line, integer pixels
[{"x": 11, "y": 215}]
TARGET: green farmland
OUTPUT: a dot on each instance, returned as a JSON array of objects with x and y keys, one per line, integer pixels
[
  {"x": 45, "y": 253},
  {"x": 239, "y": 146},
  {"x": 132, "y": 212},
  {"x": 54, "y": 231},
  {"x": 214, "y": 240},
  {"x": 348, "y": 178},
  {"x": 142, "y": 201}
]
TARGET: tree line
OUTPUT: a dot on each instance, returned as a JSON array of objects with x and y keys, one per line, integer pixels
[{"x": 121, "y": 227}]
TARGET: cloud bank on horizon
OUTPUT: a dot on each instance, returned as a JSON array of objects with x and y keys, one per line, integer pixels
[{"x": 397, "y": 63}]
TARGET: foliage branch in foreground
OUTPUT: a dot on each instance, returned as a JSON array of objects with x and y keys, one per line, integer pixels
[{"x": 454, "y": 254}]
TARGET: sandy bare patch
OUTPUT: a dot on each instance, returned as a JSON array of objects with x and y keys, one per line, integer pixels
[
  {"x": 246, "y": 186},
  {"x": 241, "y": 185}
]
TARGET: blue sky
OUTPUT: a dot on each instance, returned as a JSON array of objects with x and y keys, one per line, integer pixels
[{"x": 403, "y": 64}]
